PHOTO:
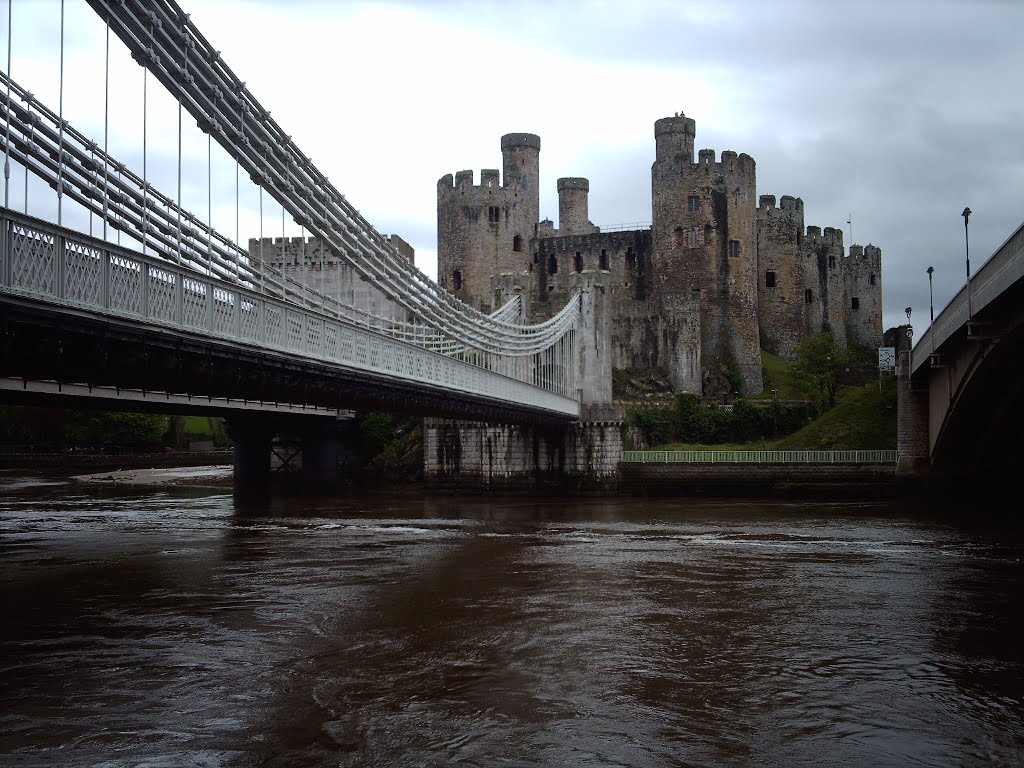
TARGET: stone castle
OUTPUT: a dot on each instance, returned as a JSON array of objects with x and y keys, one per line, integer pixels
[{"x": 713, "y": 281}]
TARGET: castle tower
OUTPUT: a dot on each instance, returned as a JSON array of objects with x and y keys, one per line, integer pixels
[
  {"x": 863, "y": 288},
  {"x": 705, "y": 239},
  {"x": 520, "y": 153},
  {"x": 824, "y": 282},
  {"x": 484, "y": 230},
  {"x": 781, "y": 293},
  {"x": 573, "y": 215}
]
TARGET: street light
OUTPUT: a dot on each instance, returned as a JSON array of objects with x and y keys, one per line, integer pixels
[
  {"x": 910, "y": 328},
  {"x": 931, "y": 308},
  {"x": 967, "y": 250}
]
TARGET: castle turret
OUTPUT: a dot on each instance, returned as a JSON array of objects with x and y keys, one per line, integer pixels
[
  {"x": 705, "y": 239},
  {"x": 673, "y": 138},
  {"x": 573, "y": 216},
  {"x": 520, "y": 153}
]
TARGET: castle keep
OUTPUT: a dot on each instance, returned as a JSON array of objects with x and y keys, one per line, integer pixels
[{"x": 718, "y": 276}]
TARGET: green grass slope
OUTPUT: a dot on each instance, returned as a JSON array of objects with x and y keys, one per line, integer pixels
[{"x": 864, "y": 419}]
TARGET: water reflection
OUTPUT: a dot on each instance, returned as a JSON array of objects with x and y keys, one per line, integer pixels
[{"x": 396, "y": 630}]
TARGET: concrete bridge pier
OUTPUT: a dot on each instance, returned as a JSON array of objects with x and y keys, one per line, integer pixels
[
  {"x": 306, "y": 450},
  {"x": 912, "y": 422},
  {"x": 253, "y": 436}
]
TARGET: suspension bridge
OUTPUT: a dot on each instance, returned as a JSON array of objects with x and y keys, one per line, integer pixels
[{"x": 182, "y": 317}]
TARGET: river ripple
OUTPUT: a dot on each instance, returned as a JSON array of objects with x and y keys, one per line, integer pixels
[{"x": 155, "y": 629}]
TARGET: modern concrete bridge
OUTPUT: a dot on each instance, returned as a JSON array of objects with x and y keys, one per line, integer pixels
[{"x": 961, "y": 387}]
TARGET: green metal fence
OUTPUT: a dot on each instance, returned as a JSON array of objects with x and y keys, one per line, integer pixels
[{"x": 761, "y": 457}]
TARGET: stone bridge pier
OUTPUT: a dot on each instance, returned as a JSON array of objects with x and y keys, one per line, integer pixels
[{"x": 581, "y": 456}]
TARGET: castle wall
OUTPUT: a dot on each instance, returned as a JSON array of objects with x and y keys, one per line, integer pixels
[
  {"x": 781, "y": 296},
  {"x": 705, "y": 239},
  {"x": 311, "y": 262}
]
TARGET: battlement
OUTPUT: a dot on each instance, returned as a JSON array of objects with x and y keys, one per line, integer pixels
[
  {"x": 520, "y": 141},
  {"x": 574, "y": 183},
  {"x": 490, "y": 178},
  {"x": 828, "y": 236},
  {"x": 706, "y": 157},
  {"x": 787, "y": 203}
]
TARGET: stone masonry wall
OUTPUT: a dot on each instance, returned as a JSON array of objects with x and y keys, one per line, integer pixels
[
  {"x": 478, "y": 456},
  {"x": 310, "y": 262}
]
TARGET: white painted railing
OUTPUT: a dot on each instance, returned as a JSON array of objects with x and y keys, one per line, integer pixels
[
  {"x": 59, "y": 267},
  {"x": 760, "y": 457}
]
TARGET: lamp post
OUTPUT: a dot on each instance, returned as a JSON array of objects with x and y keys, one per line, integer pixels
[
  {"x": 931, "y": 308},
  {"x": 967, "y": 250}
]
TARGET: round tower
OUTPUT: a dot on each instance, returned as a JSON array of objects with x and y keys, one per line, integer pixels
[
  {"x": 673, "y": 136},
  {"x": 520, "y": 154},
  {"x": 573, "y": 215}
]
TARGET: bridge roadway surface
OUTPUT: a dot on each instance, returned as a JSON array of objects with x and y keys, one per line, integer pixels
[
  {"x": 967, "y": 372},
  {"x": 86, "y": 321}
]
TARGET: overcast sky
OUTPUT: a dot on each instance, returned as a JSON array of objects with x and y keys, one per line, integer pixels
[{"x": 899, "y": 113}]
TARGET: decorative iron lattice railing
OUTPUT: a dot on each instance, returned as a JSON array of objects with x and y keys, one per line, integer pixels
[
  {"x": 42, "y": 262},
  {"x": 760, "y": 457},
  {"x": 163, "y": 39}
]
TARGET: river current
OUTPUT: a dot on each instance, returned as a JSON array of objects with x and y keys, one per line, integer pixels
[{"x": 172, "y": 629}]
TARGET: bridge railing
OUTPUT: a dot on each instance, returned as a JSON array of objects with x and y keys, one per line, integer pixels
[
  {"x": 45, "y": 263},
  {"x": 760, "y": 457}
]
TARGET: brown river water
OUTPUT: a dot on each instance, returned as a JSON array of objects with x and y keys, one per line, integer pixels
[{"x": 163, "y": 628}]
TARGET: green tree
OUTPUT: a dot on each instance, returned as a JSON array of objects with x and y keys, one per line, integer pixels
[{"x": 816, "y": 366}]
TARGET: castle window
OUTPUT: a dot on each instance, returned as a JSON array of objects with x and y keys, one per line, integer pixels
[
  {"x": 854, "y": 303},
  {"x": 457, "y": 279},
  {"x": 677, "y": 237},
  {"x": 734, "y": 248},
  {"x": 517, "y": 243},
  {"x": 872, "y": 278},
  {"x": 769, "y": 279},
  {"x": 808, "y": 296},
  {"x": 578, "y": 262},
  {"x": 493, "y": 214},
  {"x": 693, "y": 203},
  {"x": 693, "y": 237},
  {"x": 604, "y": 259},
  {"x": 552, "y": 264},
  {"x": 831, "y": 261}
]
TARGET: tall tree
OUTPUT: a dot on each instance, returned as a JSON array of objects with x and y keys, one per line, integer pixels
[{"x": 816, "y": 366}]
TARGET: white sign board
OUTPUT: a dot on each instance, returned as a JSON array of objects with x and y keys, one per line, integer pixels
[{"x": 887, "y": 358}]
